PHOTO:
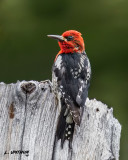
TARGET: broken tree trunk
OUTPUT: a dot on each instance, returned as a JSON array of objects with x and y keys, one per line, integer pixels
[{"x": 28, "y": 118}]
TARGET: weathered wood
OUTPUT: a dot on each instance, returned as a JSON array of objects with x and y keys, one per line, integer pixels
[{"x": 28, "y": 118}]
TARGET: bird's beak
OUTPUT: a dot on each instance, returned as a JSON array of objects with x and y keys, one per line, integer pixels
[{"x": 57, "y": 37}]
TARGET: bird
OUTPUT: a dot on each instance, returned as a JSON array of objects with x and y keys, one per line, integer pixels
[{"x": 71, "y": 74}]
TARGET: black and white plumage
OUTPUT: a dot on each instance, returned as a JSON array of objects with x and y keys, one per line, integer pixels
[{"x": 71, "y": 79}]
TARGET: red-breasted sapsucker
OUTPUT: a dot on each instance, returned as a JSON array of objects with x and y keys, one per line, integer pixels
[{"x": 71, "y": 74}]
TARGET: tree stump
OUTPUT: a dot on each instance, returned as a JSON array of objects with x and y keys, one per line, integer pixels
[{"x": 29, "y": 114}]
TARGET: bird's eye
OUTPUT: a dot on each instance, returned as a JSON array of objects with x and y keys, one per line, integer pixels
[{"x": 69, "y": 38}]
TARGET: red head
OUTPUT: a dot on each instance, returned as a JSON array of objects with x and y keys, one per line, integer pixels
[{"x": 70, "y": 42}]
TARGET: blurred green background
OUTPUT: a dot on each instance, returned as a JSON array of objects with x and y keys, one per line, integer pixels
[{"x": 27, "y": 54}]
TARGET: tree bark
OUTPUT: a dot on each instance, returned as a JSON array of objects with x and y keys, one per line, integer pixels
[{"x": 29, "y": 114}]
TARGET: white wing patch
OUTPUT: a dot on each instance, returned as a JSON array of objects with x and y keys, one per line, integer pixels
[
  {"x": 83, "y": 84},
  {"x": 54, "y": 82},
  {"x": 82, "y": 59},
  {"x": 58, "y": 62},
  {"x": 88, "y": 70},
  {"x": 59, "y": 66}
]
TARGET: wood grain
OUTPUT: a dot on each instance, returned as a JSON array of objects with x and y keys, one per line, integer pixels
[{"x": 28, "y": 119}]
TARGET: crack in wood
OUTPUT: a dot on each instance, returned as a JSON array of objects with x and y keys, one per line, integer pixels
[{"x": 11, "y": 111}]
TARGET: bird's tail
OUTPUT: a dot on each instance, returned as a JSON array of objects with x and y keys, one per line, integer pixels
[{"x": 65, "y": 127}]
